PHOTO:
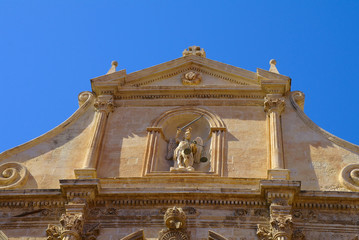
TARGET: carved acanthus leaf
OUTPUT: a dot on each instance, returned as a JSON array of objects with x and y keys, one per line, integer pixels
[
  {"x": 274, "y": 105},
  {"x": 71, "y": 227},
  {"x": 105, "y": 103}
]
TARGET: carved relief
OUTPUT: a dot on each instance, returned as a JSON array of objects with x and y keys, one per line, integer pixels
[
  {"x": 194, "y": 50},
  {"x": 70, "y": 229},
  {"x": 281, "y": 228},
  {"x": 349, "y": 177},
  {"x": 191, "y": 78},
  {"x": 104, "y": 103},
  {"x": 175, "y": 221},
  {"x": 274, "y": 105},
  {"x": 170, "y": 138},
  {"x": 12, "y": 175}
]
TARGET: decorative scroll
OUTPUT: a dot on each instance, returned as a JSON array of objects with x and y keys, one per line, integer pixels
[
  {"x": 12, "y": 175},
  {"x": 349, "y": 177}
]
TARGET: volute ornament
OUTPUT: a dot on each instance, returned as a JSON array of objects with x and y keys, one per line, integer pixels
[
  {"x": 12, "y": 175},
  {"x": 349, "y": 177}
]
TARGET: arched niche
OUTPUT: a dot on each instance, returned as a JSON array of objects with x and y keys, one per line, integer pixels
[{"x": 208, "y": 126}]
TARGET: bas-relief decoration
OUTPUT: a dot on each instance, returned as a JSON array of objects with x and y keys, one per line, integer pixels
[
  {"x": 191, "y": 78},
  {"x": 349, "y": 177},
  {"x": 12, "y": 175},
  {"x": 171, "y": 148},
  {"x": 175, "y": 221}
]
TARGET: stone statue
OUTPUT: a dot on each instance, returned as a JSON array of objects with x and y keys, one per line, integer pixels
[{"x": 187, "y": 152}]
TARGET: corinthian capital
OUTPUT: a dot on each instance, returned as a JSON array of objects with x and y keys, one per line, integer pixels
[
  {"x": 282, "y": 227},
  {"x": 71, "y": 228},
  {"x": 274, "y": 104},
  {"x": 104, "y": 103}
]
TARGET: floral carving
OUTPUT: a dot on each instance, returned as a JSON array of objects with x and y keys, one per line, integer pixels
[
  {"x": 71, "y": 228},
  {"x": 12, "y": 175},
  {"x": 281, "y": 228},
  {"x": 191, "y": 78},
  {"x": 104, "y": 103},
  {"x": 274, "y": 105},
  {"x": 349, "y": 177}
]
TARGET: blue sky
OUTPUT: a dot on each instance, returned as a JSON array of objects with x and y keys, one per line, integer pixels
[{"x": 49, "y": 51}]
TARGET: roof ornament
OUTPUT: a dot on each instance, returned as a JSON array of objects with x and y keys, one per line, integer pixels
[
  {"x": 194, "y": 50},
  {"x": 273, "y": 68},
  {"x": 114, "y": 64}
]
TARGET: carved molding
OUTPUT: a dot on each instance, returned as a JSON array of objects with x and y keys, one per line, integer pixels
[
  {"x": 215, "y": 236},
  {"x": 139, "y": 235},
  {"x": 194, "y": 67},
  {"x": 12, "y": 175},
  {"x": 316, "y": 128},
  {"x": 349, "y": 177}
]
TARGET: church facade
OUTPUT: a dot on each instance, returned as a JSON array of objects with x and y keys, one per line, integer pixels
[{"x": 188, "y": 149}]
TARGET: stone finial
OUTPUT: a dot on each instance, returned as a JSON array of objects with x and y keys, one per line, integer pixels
[
  {"x": 114, "y": 64},
  {"x": 194, "y": 50},
  {"x": 273, "y": 68}
]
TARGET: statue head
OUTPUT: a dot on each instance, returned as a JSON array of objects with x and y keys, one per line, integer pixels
[{"x": 187, "y": 134}]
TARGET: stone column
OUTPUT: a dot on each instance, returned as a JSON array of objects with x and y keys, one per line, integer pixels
[
  {"x": 104, "y": 105},
  {"x": 274, "y": 106}
]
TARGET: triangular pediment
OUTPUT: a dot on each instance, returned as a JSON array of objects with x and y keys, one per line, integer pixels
[{"x": 171, "y": 73}]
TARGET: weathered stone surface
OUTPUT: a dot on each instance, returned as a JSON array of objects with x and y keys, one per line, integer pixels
[{"x": 263, "y": 169}]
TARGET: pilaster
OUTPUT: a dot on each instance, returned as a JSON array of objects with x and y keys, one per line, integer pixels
[
  {"x": 104, "y": 105},
  {"x": 79, "y": 193},
  {"x": 280, "y": 195},
  {"x": 274, "y": 105}
]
